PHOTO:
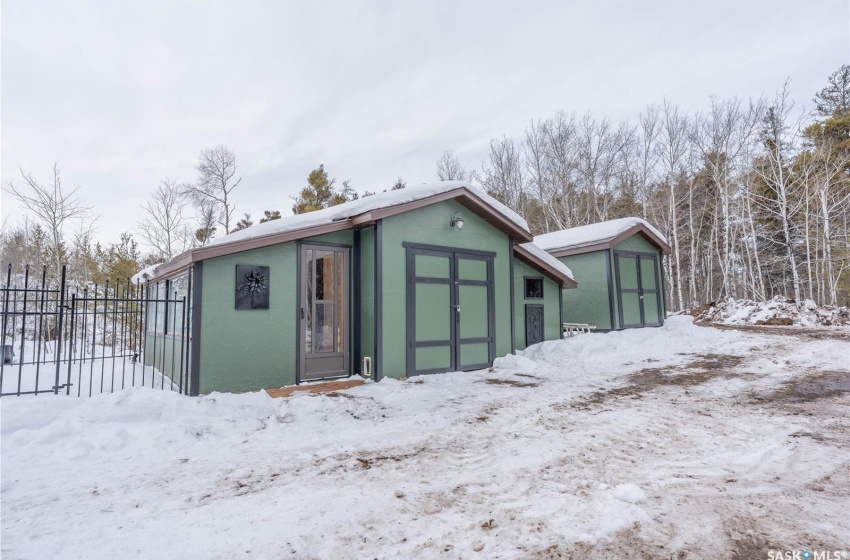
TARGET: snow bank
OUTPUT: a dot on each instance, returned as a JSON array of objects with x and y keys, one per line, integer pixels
[
  {"x": 590, "y": 234},
  {"x": 777, "y": 311}
]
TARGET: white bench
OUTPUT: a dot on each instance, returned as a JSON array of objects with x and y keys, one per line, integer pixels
[{"x": 573, "y": 329}]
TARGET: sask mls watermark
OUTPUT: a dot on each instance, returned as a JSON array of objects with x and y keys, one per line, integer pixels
[{"x": 806, "y": 555}]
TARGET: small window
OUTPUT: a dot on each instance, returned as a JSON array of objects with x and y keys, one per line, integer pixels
[{"x": 534, "y": 288}]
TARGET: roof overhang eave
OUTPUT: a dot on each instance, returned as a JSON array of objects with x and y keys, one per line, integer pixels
[
  {"x": 533, "y": 261},
  {"x": 659, "y": 243}
]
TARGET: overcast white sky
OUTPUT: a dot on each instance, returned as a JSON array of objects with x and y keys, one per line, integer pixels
[{"x": 123, "y": 94}]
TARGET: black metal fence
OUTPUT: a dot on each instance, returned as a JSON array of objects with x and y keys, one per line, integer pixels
[{"x": 83, "y": 339}]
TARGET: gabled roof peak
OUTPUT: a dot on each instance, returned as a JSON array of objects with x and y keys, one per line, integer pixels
[{"x": 601, "y": 235}]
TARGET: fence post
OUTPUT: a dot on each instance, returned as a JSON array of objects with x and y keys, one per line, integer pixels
[
  {"x": 59, "y": 328},
  {"x": 5, "y": 321}
]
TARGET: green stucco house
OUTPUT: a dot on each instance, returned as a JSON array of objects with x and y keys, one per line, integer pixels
[
  {"x": 618, "y": 265},
  {"x": 432, "y": 278}
]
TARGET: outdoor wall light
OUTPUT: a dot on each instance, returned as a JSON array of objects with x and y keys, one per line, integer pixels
[{"x": 457, "y": 221}]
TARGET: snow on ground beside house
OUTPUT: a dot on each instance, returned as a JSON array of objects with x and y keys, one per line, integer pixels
[
  {"x": 590, "y": 234},
  {"x": 678, "y": 441},
  {"x": 363, "y": 205},
  {"x": 774, "y": 311},
  {"x": 112, "y": 369}
]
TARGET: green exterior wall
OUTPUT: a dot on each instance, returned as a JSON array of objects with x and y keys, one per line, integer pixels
[
  {"x": 249, "y": 349},
  {"x": 431, "y": 225},
  {"x": 551, "y": 315},
  {"x": 589, "y": 302},
  {"x": 256, "y": 349},
  {"x": 252, "y": 349}
]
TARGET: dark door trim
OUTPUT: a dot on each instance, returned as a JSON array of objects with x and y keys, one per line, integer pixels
[
  {"x": 196, "y": 288},
  {"x": 378, "y": 359},
  {"x": 445, "y": 249},
  {"x": 529, "y": 335},
  {"x": 513, "y": 295},
  {"x": 454, "y": 341},
  {"x": 356, "y": 349},
  {"x": 347, "y": 308},
  {"x": 639, "y": 290},
  {"x": 609, "y": 278}
]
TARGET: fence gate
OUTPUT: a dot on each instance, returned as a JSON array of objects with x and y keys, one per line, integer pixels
[{"x": 64, "y": 337}]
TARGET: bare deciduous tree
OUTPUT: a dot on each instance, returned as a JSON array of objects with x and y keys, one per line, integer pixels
[
  {"x": 165, "y": 227},
  {"x": 449, "y": 168},
  {"x": 53, "y": 204},
  {"x": 216, "y": 171}
]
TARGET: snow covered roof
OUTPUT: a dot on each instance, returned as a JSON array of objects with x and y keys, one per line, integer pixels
[
  {"x": 144, "y": 274},
  {"x": 597, "y": 236},
  {"x": 531, "y": 252},
  {"x": 357, "y": 213},
  {"x": 348, "y": 210}
]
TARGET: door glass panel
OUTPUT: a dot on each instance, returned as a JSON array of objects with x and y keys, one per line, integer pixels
[
  {"x": 631, "y": 309},
  {"x": 647, "y": 273},
  {"x": 324, "y": 301},
  {"x": 324, "y": 275},
  {"x": 433, "y": 357},
  {"x": 308, "y": 307},
  {"x": 433, "y": 312},
  {"x": 650, "y": 308},
  {"x": 474, "y": 354},
  {"x": 473, "y": 311},
  {"x": 324, "y": 330},
  {"x": 432, "y": 266},
  {"x": 340, "y": 308},
  {"x": 628, "y": 273},
  {"x": 472, "y": 269}
]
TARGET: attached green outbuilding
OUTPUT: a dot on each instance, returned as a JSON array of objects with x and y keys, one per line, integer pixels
[
  {"x": 432, "y": 278},
  {"x": 618, "y": 265}
]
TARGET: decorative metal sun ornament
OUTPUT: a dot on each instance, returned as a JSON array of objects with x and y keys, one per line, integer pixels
[
  {"x": 252, "y": 287},
  {"x": 257, "y": 282}
]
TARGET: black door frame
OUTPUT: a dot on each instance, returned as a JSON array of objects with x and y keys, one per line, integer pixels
[
  {"x": 640, "y": 290},
  {"x": 454, "y": 341}
]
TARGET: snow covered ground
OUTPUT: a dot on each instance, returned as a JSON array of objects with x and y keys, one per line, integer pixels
[
  {"x": 775, "y": 311},
  {"x": 112, "y": 369},
  {"x": 682, "y": 441}
]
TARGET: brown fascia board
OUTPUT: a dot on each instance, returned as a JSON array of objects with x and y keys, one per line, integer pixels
[
  {"x": 172, "y": 267},
  {"x": 531, "y": 260},
  {"x": 204, "y": 253},
  {"x": 465, "y": 197},
  {"x": 640, "y": 228}
]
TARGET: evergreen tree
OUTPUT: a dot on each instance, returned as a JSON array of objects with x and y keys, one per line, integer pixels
[
  {"x": 399, "y": 184},
  {"x": 834, "y": 100},
  {"x": 244, "y": 223},
  {"x": 270, "y": 215},
  {"x": 118, "y": 261},
  {"x": 319, "y": 192}
]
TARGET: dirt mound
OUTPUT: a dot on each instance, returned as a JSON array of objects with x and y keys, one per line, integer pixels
[{"x": 778, "y": 311}]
